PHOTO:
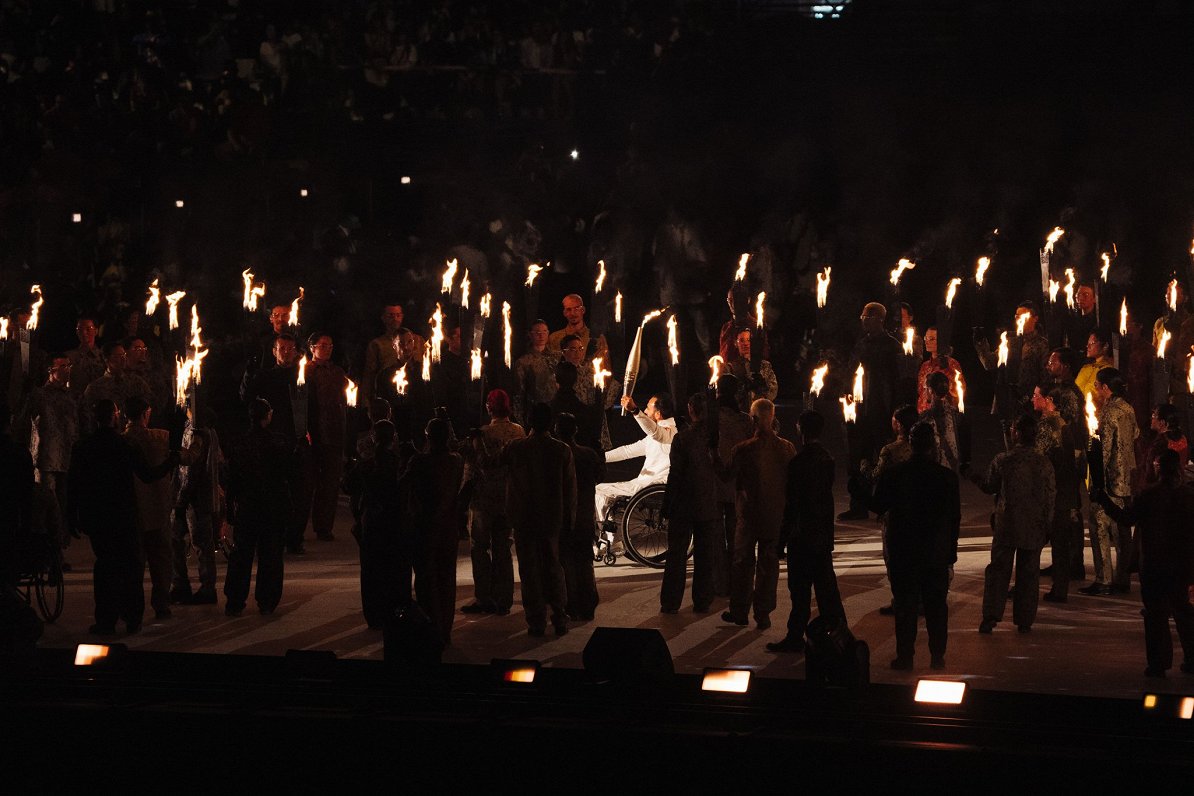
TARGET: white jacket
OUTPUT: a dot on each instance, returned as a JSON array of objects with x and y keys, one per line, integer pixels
[{"x": 656, "y": 447}]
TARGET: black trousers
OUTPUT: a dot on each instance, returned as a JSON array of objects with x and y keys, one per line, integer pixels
[
  {"x": 703, "y": 536},
  {"x": 912, "y": 585},
  {"x": 863, "y": 442},
  {"x": 117, "y": 580},
  {"x": 265, "y": 541},
  {"x": 383, "y": 571},
  {"x": 541, "y": 576},
  {"x": 576, "y": 559},
  {"x": 810, "y": 569},
  {"x": 1164, "y": 597},
  {"x": 723, "y": 548}
]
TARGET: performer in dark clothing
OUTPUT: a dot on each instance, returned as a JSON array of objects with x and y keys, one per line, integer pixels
[
  {"x": 576, "y": 541},
  {"x": 1161, "y": 515},
  {"x": 101, "y": 504},
  {"x": 807, "y": 532},
  {"x": 261, "y": 472},
  {"x": 379, "y": 508},
  {"x": 690, "y": 506},
  {"x": 878, "y": 353},
  {"x": 924, "y": 514},
  {"x": 16, "y": 500}
]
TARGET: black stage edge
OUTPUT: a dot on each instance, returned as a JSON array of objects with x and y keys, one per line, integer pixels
[{"x": 154, "y": 721}]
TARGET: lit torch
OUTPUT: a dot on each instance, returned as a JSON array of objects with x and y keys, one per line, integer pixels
[
  {"x": 903, "y": 265},
  {"x": 3, "y": 328},
  {"x": 437, "y": 334},
  {"x": 961, "y": 388},
  {"x": 1021, "y": 322},
  {"x": 618, "y": 308},
  {"x": 951, "y": 291},
  {"x": 1054, "y": 236},
  {"x": 449, "y": 277},
  {"x": 350, "y": 393},
  {"x": 1171, "y": 295},
  {"x": 673, "y": 343},
  {"x": 293, "y": 320},
  {"x": 252, "y": 291},
  {"x": 465, "y": 285},
  {"x": 1162, "y": 343},
  {"x": 858, "y": 377},
  {"x": 1003, "y": 349},
  {"x": 475, "y": 364},
  {"x": 1106, "y": 269},
  {"x": 715, "y": 363},
  {"x": 172, "y": 302},
  {"x": 151, "y": 303},
  {"x": 1092, "y": 417},
  {"x": 1054, "y": 286},
  {"x": 400, "y": 382},
  {"x": 849, "y": 410},
  {"x": 425, "y": 374},
  {"x": 980, "y": 271},
  {"x": 740, "y": 274},
  {"x": 1070, "y": 281},
  {"x": 301, "y": 379},
  {"x": 817, "y": 383},
  {"x": 600, "y": 276},
  {"x": 909, "y": 337},
  {"x": 759, "y": 309},
  {"x": 35, "y": 309},
  {"x": 1123, "y": 317},
  {"x": 823, "y": 287},
  {"x": 507, "y": 333},
  {"x": 532, "y": 271},
  {"x": 1190, "y": 374},
  {"x": 650, "y": 316},
  {"x": 486, "y": 304},
  {"x": 600, "y": 373}
]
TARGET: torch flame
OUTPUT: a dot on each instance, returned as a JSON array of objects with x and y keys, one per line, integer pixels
[
  {"x": 903, "y": 265},
  {"x": 1054, "y": 236},
  {"x": 673, "y": 343},
  {"x": 1123, "y": 317},
  {"x": 817, "y": 383},
  {"x": 650, "y": 316},
  {"x": 486, "y": 303},
  {"x": 1054, "y": 286},
  {"x": 252, "y": 292},
  {"x": 849, "y": 410},
  {"x": 475, "y": 364},
  {"x": 400, "y": 382},
  {"x": 350, "y": 393},
  {"x": 507, "y": 333},
  {"x": 465, "y": 285},
  {"x": 600, "y": 276},
  {"x": 196, "y": 343},
  {"x": 1021, "y": 322},
  {"x": 951, "y": 291},
  {"x": 1171, "y": 295},
  {"x": 1190, "y": 374},
  {"x": 35, "y": 308},
  {"x": 302, "y": 372},
  {"x": 1002, "y": 349},
  {"x": 449, "y": 277},
  {"x": 1092, "y": 417},
  {"x": 909, "y": 337},
  {"x": 600, "y": 373},
  {"x": 425, "y": 374},
  {"x": 1070, "y": 280},
  {"x": 1106, "y": 269},
  {"x": 186, "y": 371},
  {"x": 858, "y": 377},
  {"x": 3, "y": 328},
  {"x": 151, "y": 303},
  {"x": 1162, "y": 343},
  {"x": 759, "y": 308},
  {"x": 715, "y": 363},
  {"x": 740, "y": 274},
  {"x": 961, "y": 388},
  {"x": 823, "y": 287},
  {"x": 437, "y": 334},
  {"x": 293, "y": 320},
  {"x": 532, "y": 271},
  {"x": 618, "y": 308},
  {"x": 980, "y": 272},
  {"x": 172, "y": 302}
]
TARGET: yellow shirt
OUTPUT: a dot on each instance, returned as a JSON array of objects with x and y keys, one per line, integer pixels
[{"x": 1086, "y": 377}]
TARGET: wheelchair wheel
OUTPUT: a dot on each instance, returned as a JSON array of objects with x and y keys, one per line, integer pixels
[
  {"x": 644, "y": 530},
  {"x": 48, "y": 584}
]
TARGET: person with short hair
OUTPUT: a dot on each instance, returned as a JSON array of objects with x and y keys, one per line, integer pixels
[
  {"x": 1060, "y": 439},
  {"x": 574, "y": 324},
  {"x": 1098, "y": 355},
  {"x": 153, "y": 505},
  {"x": 1166, "y": 425},
  {"x": 690, "y": 506},
  {"x": 327, "y": 413},
  {"x": 953, "y": 432},
  {"x": 759, "y": 469},
  {"x": 117, "y": 385},
  {"x": 381, "y": 353},
  {"x": 807, "y": 533},
  {"x": 535, "y": 371},
  {"x": 921, "y": 501},
  {"x": 576, "y": 540},
  {"x": 733, "y": 426},
  {"x": 657, "y": 423},
  {"x": 1026, "y": 489},
  {"x": 379, "y": 508},
  {"x": 52, "y": 413},
  {"x": 87, "y": 361},
  {"x": 762, "y": 384}
]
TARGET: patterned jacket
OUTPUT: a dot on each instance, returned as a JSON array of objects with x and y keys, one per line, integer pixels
[{"x": 1118, "y": 431}]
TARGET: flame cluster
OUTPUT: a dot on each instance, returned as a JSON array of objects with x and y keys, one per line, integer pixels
[
  {"x": 1003, "y": 350},
  {"x": 252, "y": 291},
  {"x": 909, "y": 338},
  {"x": 400, "y": 382},
  {"x": 817, "y": 382},
  {"x": 151, "y": 303},
  {"x": 740, "y": 274},
  {"x": 350, "y": 392},
  {"x": 600, "y": 276},
  {"x": 903, "y": 265},
  {"x": 600, "y": 374},
  {"x": 715, "y": 365},
  {"x": 673, "y": 342},
  {"x": 1092, "y": 417},
  {"x": 951, "y": 291},
  {"x": 475, "y": 364},
  {"x": 1054, "y": 236},
  {"x": 35, "y": 309},
  {"x": 507, "y": 334},
  {"x": 293, "y": 320},
  {"x": 980, "y": 270},
  {"x": 823, "y": 287}
]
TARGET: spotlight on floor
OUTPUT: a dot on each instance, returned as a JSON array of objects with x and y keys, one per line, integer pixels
[
  {"x": 98, "y": 654},
  {"x": 726, "y": 681},
  {"x": 940, "y": 692},
  {"x": 515, "y": 671}
]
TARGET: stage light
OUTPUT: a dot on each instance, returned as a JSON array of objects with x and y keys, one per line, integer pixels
[
  {"x": 77, "y": 218},
  {"x": 179, "y": 203},
  {"x": 1174, "y": 705},
  {"x": 940, "y": 692},
  {"x": 1186, "y": 709},
  {"x": 405, "y": 180},
  {"x": 91, "y": 654},
  {"x": 731, "y": 681},
  {"x": 303, "y": 192},
  {"x": 1150, "y": 701},
  {"x": 515, "y": 671}
]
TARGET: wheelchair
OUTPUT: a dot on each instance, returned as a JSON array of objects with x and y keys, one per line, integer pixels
[
  {"x": 39, "y": 578},
  {"x": 642, "y": 527}
]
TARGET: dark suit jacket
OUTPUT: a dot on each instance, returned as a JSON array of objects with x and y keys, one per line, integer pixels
[
  {"x": 808, "y": 513},
  {"x": 541, "y": 490},
  {"x": 924, "y": 512},
  {"x": 692, "y": 483}
]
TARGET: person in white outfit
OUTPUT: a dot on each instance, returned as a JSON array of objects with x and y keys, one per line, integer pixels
[{"x": 658, "y": 423}]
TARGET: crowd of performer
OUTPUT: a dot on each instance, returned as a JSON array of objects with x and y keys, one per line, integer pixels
[{"x": 89, "y": 449}]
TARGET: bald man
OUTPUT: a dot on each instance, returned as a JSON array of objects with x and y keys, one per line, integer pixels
[{"x": 574, "y": 319}]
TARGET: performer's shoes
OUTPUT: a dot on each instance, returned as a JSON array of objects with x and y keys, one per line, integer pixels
[
  {"x": 786, "y": 644},
  {"x": 902, "y": 664},
  {"x": 669, "y": 610},
  {"x": 854, "y": 514},
  {"x": 937, "y": 663},
  {"x": 162, "y": 613},
  {"x": 326, "y": 537},
  {"x": 987, "y": 626},
  {"x": 203, "y": 597},
  {"x": 1024, "y": 628},
  {"x": 233, "y": 610},
  {"x": 561, "y": 628},
  {"x": 479, "y": 607},
  {"x": 1121, "y": 588},
  {"x": 1095, "y": 590},
  {"x": 537, "y": 632},
  {"x": 1053, "y": 597},
  {"x": 502, "y": 611},
  {"x": 726, "y": 616},
  {"x": 763, "y": 622},
  {"x": 180, "y": 597}
]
